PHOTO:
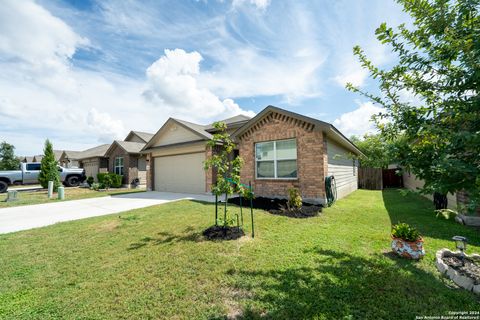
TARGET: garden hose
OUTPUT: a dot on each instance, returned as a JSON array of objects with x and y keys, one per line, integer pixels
[{"x": 330, "y": 190}]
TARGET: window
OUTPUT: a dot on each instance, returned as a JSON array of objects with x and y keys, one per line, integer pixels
[
  {"x": 276, "y": 159},
  {"x": 33, "y": 167},
  {"x": 118, "y": 169}
]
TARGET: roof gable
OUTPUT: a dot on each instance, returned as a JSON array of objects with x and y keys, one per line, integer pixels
[
  {"x": 138, "y": 136},
  {"x": 310, "y": 123},
  {"x": 127, "y": 146},
  {"x": 178, "y": 131}
]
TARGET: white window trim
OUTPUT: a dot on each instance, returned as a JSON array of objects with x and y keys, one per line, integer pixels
[
  {"x": 117, "y": 166},
  {"x": 274, "y": 160}
]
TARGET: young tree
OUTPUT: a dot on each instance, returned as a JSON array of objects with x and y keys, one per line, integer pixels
[
  {"x": 438, "y": 70},
  {"x": 227, "y": 167},
  {"x": 8, "y": 161},
  {"x": 49, "y": 168}
]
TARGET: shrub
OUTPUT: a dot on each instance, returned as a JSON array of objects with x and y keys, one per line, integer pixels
[
  {"x": 116, "y": 180},
  {"x": 90, "y": 180},
  {"x": 95, "y": 186},
  {"x": 446, "y": 214},
  {"x": 405, "y": 232},
  {"x": 101, "y": 176},
  {"x": 294, "y": 198},
  {"x": 107, "y": 181},
  {"x": 110, "y": 179}
]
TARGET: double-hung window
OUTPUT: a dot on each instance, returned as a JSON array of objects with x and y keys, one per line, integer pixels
[
  {"x": 119, "y": 165},
  {"x": 276, "y": 159}
]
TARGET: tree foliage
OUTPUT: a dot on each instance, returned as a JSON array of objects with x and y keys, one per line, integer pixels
[
  {"x": 226, "y": 166},
  {"x": 49, "y": 168},
  {"x": 431, "y": 96},
  {"x": 378, "y": 151},
  {"x": 8, "y": 161}
]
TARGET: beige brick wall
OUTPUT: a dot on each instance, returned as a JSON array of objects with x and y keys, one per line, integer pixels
[{"x": 311, "y": 156}]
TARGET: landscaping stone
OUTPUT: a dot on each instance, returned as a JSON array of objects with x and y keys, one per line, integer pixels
[
  {"x": 465, "y": 272},
  {"x": 473, "y": 221}
]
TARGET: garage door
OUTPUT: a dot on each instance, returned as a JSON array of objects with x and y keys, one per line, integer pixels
[{"x": 181, "y": 173}]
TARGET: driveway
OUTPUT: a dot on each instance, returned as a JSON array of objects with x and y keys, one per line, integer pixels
[{"x": 40, "y": 215}]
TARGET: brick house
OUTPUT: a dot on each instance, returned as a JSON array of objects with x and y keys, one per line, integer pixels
[
  {"x": 281, "y": 149},
  {"x": 124, "y": 157}
]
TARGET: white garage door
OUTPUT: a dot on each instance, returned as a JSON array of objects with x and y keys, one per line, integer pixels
[{"x": 181, "y": 173}]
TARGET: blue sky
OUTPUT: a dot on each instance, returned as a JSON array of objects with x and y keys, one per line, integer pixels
[{"x": 86, "y": 72}]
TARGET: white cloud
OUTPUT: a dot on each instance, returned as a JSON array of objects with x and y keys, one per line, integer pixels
[
  {"x": 173, "y": 85},
  {"x": 42, "y": 94},
  {"x": 105, "y": 125},
  {"x": 31, "y": 33},
  {"x": 359, "y": 121},
  {"x": 259, "y": 4}
]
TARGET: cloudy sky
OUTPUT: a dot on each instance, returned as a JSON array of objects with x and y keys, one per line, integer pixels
[{"x": 85, "y": 72}]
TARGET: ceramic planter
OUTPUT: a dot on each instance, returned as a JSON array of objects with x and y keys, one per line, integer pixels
[{"x": 408, "y": 249}]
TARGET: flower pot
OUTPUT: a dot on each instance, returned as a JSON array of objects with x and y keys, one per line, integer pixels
[{"x": 408, "y": 249}]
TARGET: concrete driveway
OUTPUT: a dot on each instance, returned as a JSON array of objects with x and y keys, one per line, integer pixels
[{"x": 40, "y": 215}]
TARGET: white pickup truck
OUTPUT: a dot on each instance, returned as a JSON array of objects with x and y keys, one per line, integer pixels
[{"x": 28, "y": 174}]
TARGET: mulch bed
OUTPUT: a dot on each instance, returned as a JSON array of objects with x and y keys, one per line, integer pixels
[
  {"x": 223, "y": 233},
  {"x": 469, "y": 269},
  {"x": 279, "y": 207}
]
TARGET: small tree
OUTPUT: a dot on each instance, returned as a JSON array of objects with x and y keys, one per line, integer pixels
[
  {"x": 227, "y": 167},
  {"x": 49, "y": 169},
  {"x": 8, "y": 161}
]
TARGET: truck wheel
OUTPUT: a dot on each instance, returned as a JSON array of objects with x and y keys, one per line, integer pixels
[
  {"x": 3, "y": 186},
  {"x": 73, "y": 181}
]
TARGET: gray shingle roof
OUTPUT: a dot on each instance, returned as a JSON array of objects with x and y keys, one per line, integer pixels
[
  {"x": 145, "y": 136},
  {"x": 131, "y": 147},
  {"x": 72, "y": 154},
  {"x": 98, "y": 151},
  {"x": 198, "y": 128}
]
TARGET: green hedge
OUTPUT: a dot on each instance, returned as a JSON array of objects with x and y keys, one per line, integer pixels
[{"x": 115, "y": 179}]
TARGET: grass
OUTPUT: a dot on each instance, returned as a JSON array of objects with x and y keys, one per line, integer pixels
[
  {"x": 41, "y": 196},
  {"x": 153, "y": 263}
]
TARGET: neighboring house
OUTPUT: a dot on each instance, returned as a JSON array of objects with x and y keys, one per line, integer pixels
[
  {"x": 125, "y": 157},
  {"x": 281, "y": 149},
  {"x": 37, "y": 158},
  {"x": 93, "y": 160},
  {"x": 176, "y": 154},
  {"x": 411, "y": 182},
  {"x": 69, "y": 159}
]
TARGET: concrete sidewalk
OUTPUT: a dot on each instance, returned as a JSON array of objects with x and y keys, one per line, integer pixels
[{"x": 40, "y": 215}]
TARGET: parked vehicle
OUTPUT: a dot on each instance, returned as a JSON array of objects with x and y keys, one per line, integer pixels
[{"x": 28, "y": 174}]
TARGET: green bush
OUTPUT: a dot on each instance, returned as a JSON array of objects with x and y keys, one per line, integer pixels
[
  {"x": 110, "y": 179},
  {"x": 90, "y": 180},
  {"x": 294, "y": 198},
  {"x": 405, "y": 232},
  {"x": 116, "y": 180}
]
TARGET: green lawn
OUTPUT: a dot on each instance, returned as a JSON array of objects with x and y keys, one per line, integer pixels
[
  {"x": 153, "y": 263},
  {"x": 41, "y": 196}
]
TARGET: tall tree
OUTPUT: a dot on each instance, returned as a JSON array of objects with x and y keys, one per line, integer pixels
[
  {"x": 8, "y": 161},
  {"x": 49, "y": 168},
  {"x": 378, "y": 151},
  {"x": 439, "y": 68}
]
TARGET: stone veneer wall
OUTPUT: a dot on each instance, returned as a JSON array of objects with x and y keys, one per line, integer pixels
[{"x": 311, "y": 156}]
